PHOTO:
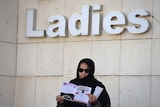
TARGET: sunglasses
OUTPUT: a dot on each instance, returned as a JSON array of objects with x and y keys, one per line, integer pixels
[{"x": 85, "y": 70}]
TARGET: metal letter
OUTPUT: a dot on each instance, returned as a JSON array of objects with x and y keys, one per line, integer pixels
[{"x": 31, "y": 25}]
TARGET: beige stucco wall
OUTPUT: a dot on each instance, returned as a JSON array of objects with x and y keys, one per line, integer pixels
[
  {"x": 8, "y": 37},
  {"x": 33, "y": 69}
]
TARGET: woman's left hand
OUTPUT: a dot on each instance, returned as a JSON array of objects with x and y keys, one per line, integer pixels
[{"x": 92, "y": 98}]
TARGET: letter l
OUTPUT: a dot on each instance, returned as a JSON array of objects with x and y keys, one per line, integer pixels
[{"x": 31, "y": 24}]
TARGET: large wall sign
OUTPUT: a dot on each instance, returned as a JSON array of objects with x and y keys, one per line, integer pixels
[{"x": 80, "y": 24}]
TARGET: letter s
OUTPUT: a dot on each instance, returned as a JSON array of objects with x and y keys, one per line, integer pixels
[{"x": 141, "y": 24}]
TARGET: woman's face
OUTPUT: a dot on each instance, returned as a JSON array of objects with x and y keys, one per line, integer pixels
[{"x": 83, "y": 70}]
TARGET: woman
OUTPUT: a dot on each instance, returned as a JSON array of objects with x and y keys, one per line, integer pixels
[{"x": 85, "y": 77}]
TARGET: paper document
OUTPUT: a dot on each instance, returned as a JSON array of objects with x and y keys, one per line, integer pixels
[
  {"x": 78, "y": 93},
  {"x": 97, "y": 91},
  {"x": 75, "y": 93}
]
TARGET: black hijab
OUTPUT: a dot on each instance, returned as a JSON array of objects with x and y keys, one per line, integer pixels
[{"x": 90, "y": 81}]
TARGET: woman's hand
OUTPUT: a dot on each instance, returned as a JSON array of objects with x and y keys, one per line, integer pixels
[
  {"x": 59, "y": 99},
  {"x": 92, "y": 98}
]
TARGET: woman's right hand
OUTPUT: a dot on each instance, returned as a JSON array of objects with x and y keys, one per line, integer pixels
[{"x": 59, "y": 99}]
